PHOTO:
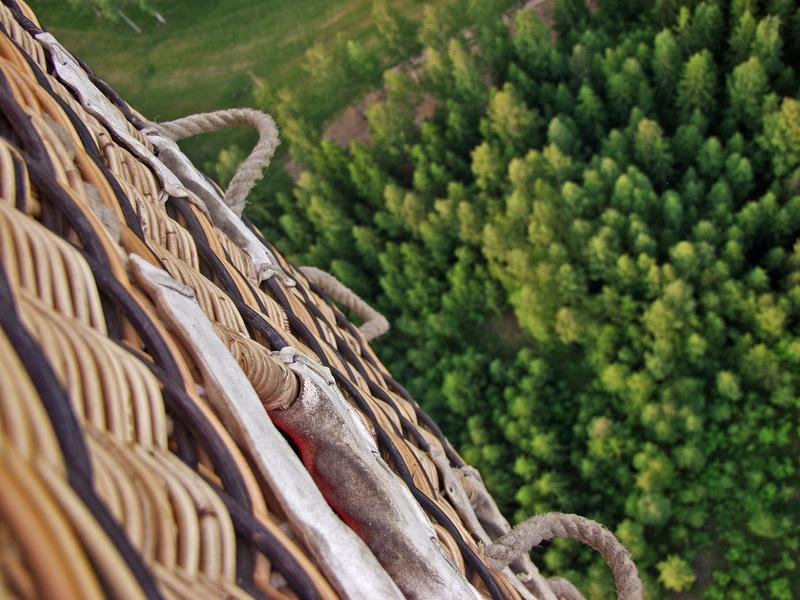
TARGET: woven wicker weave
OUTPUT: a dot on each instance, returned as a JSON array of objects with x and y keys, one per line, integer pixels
[{"x": 141, "y": 348}]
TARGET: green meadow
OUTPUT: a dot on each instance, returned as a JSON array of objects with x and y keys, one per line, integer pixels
[{"x": 206, "y": 55}]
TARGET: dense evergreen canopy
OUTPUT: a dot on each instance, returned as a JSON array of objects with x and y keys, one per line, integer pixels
[{"x": 590, "y": 255}]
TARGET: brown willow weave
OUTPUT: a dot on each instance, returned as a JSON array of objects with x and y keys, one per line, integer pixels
[
  {"x": 117, "y": 476},
  {"x": 153, "y": 344}
]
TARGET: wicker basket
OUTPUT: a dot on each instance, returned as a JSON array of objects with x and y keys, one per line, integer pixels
[
  {"x": 143, "y": 349},
  {"x": 184, "y": 414}
]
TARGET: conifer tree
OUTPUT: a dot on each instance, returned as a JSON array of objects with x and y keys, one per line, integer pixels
[
  {"x": 666, "y": 61},
  {"x": 747, "y": 87},
  {"x": 697, "y": 86},
  {"x": 675, "y": 574},
  {"x": 396, "y": 31}
]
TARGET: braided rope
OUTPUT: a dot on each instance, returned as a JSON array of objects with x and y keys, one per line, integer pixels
[
  {"x": 563, "y": 589},
  {"x": 375, "y": 324},
  {"x": 549, "y": 525},
  {"x": 252, "y": 169}
]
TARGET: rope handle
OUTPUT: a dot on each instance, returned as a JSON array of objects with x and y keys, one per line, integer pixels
[
  {"x": 546, "y": 526},
  {"x": 375, "y": 324},
  {"x": 563, "y": 589},
  {"x": 252, "y": 169}
]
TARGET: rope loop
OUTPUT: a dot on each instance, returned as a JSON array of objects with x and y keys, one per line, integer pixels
[
  {"x": 375, "y": 324},
  {"x": 252, "y": 169},
  {"x": 563, "y": 589},
  {"x": 546, "y": 526}
]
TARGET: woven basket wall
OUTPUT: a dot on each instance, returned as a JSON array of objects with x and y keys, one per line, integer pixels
[{"x": 130, "y": 466}]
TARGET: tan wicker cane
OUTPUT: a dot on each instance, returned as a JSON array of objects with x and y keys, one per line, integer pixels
[{"x": 183, "y": 413}]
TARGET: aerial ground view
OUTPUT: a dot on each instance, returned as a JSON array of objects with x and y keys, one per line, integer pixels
[{"x": 581, "y": 219}]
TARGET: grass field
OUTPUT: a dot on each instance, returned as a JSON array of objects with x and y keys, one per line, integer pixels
[{"x": 205, "y": 56}]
